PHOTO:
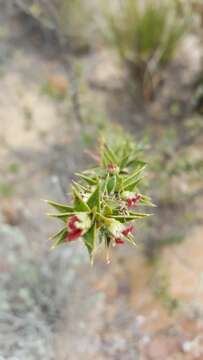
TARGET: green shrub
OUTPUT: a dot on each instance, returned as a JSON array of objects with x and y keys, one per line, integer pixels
[
  {"x": 104, "y": 201},
  {"x": 146, "y": 33}
]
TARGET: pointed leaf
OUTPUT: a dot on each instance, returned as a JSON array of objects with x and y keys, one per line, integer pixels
[
  {"x": 60, "y": 207},
  {"x": 132, "y": 177},
  {"x": 61, "y": 216},
  {"x": 88, "y": 179},
  {"x": 79, "y": 187},
  {"x": 94, "y": 199},
  {"x": 107, "y": 210},
  {"x": 110, "y": 155},
  {"x": 119, "y": 183},
  {"x": 131, "y": 186},
  {"x": 130, "y": 217},
  {"x": 104, "y": 186},
  {"x": 59, "y": 237},
  {"x": 134, "y": 162},
  {"x": 138, "y": 215},
  {"x": 146, "y": 201},
  {"x": 79, "y": 203},
  {"x": 124, "y": 162},
  {"x": 111, "y": 184},
  {"x": 90, "y": 239}
]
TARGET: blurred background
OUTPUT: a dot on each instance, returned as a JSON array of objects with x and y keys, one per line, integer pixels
[{"x": 69, "y": 72}]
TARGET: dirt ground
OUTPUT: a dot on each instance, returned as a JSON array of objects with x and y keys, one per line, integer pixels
[{"x": 53, "y": 305}]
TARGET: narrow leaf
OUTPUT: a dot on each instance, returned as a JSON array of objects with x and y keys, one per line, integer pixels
[
  {"x": 61, "y": 207},
  {"x": 131, "y": 185},
  {"x": 110, "y": 155},
  {"x": 59, "y": 237},
  {"x": 79, "y": 203},
  {"x": 90, "y": 239},
  {"x": 61, "y": 216},
  {"x": 86, "y": 178},
  {"x": 94, "y": 199},
  {"x": 132, "y": 177},
  {"x": 111, "y": 184}
]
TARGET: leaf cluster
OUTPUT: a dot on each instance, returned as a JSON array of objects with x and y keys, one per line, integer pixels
[{"x": 100, "y": 196}]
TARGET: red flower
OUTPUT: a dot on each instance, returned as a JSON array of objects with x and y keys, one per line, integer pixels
[
  {"x": 119, "y": 241},
  {"x": 125, "y": 232},
  {"x": 71, "y": 222},
  {"x": 74, "y": 232},
  {"x": 128, "y": 230},
  {"x": 130, "y": 202},
  {"x": 134, "y": 200}
]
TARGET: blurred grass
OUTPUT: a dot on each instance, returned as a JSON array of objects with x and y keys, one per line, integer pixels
[
  {"x": 7, "y": 189},
  {"x": 145, "y": 34}
]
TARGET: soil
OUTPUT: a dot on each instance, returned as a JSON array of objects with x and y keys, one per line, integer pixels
[{"x": 53, "y": 304}]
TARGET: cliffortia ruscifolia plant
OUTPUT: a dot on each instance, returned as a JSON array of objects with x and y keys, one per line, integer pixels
[{"x": 105, "y": 201}]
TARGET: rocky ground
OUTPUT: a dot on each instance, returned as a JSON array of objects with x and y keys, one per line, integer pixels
[{"x": 52, "y": 304}]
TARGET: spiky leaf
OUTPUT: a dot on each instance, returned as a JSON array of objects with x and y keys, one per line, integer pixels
[{"x": 79, "y": 203}]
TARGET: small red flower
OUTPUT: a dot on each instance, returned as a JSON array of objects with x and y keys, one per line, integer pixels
[
  {"x": 74, "y": 232},
  {"x": 119, "y": 241},
  {"x": 128, "y": 230},
  {"x": 134, "y": 200},
  {"x": 71, "y": 222},
  {"x": 130, "y": 202},
  {"x": 125, "y": 232}
]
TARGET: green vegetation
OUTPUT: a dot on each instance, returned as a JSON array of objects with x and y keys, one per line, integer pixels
[
  {"x": 6, "y": 189},
  {"x": 146, "y": 34},
  {"x": 104, "y": 200},
  {"x": 13, "y": 168}
]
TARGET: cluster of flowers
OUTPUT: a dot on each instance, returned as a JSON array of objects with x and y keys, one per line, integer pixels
[{"x": 104, "y": 201}]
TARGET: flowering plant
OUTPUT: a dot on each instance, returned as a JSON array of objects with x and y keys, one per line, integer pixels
[{"x": 104, "y": 201}]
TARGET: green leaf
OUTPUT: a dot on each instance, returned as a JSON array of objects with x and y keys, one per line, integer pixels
[
  {"x": 146, "y": 201},
  {"x": 124, "y": 162},
  {"x": 105, "y": 220},
  {"x": 119, "y": 183},
  {"x": 61, "y": 216},
  {"x": 59, "y": 237},
  {"x": 130, "y": 217},
  {"x": 79, "y": 187},
  {"x": 132, "y": 177},
  {"x": 107, "y": 210},
  {"x": 90, "y": 239},
  {"x": 86, "y": 178},
  {"x": 79, "y": 203},
  {"x": 104, "y": 186},
  {"x": 110, "y": 155},
  {"x": 134, "y": 162},
  {"x": 60, "y": 207},
  {"x": 131, "y": 186},
  {"x": 111, "y": 184},
  {"x": 94, "y": 199},
  {"x": 138, "y": 215}
]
